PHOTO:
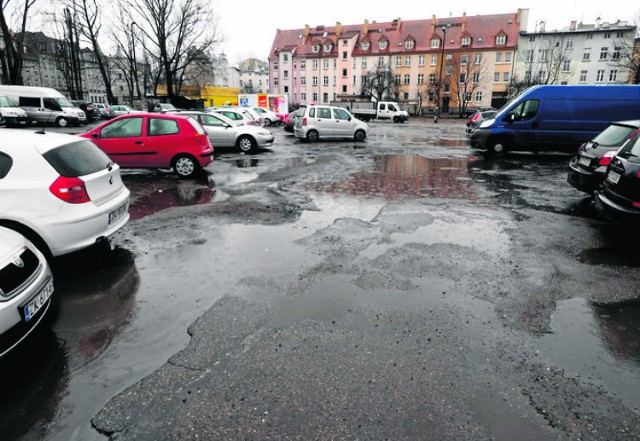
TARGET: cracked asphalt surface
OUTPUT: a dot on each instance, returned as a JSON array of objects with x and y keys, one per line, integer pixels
[{"x": 401, "y": 288}]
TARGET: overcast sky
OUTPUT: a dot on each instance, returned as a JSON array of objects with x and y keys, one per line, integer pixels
[{"x": 249, "y": 27}]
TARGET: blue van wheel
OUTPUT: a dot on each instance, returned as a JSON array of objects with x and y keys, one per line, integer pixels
[{"x": 497, "y": 147}]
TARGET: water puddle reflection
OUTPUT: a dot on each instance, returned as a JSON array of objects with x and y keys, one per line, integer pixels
[
  {"x": 397, "y": 177},
  {"x": 599, "y": 343}
]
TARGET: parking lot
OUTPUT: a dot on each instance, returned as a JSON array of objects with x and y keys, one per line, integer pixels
[{"x": 405, "y": 287}]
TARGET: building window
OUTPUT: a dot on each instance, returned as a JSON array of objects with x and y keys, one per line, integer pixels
[
  {"x": 285, "y": 58},
  {"x": 380, "y": 61},
  {"x": 314, "y": 97},
  {"x": 467, "y": 97},
  {"x": 507, "y": 57},
  {"x": 303, "y": 64},
  {"x": 303, "y": 97},
  {"x": 607, "y": 35},
  {"x": 407, "y": 61},
  {"x": 397, "y": 79},
  {"x": 303, "y": 81},
  {"x": 589, "y": 36},
  {"x": 435, "y": 43},
  {"x": 344, "y": 88},
  {"x": 328, "y": 47},
  {"x": 530, "y": 56},
  {"x": 448, "y": 70},
  {"x": 275, "y": 65},
  {"x": 344, "y": 55},
  {"x": 566, "y": 65},
  {"x": 583, "y": 76},
  {"x": 295, "y": 81},
  {"x": 568, "y": 43},
  {"x": 496, "y": 77},
  {"x": 354, "y": 80},
  {"x": 364, "y": 62},
  {"x": 447, "y": 88},
  {"x": 532, "y": 38},
  {"x": 325, "y": 97},
  {"x": 314, "y": 64},
  {"x": 463, "y": 78},
  {"x": 501, "y": 40},
  {"x": 409, "y": 44},
  {"x": 619, "y": 34},
  {"x": 477, "y": 59},
  {"x": 479, "y": 96},
  {"x": 398, "y": 61},
  {"x": 600, "y": 76},
  {"x": 613, "y": 75},
  {"x": 432, "y": 78},
  {"x": 421, "y": 60},
  {"x": 466, "y": 41},
  {"x": 285, "y": 74},
  {"x": 314, "y": 81},
  {"x": 406, "y": 95},
  {"x": 476, "y": 77},
  {"x": 544, "y": 55},
  {"x": 464, "y": 59},
  {"x": 434, "y": 60},
  {"x": 586, "y": 56},
  {"x": 315, "y": 48},
  {"x": 325, "y": 81},
  {"x": 616, "y": 53},
  {"x": 420, "y": 78},
  {"x": 603, "y": 53},
  {"x": 498, "y": 57},
  {"x": 383, "y": 44},
  {"x": 325, "y": 64},
  {"x": 344, "y": 72},
  {"x": 542, "y": 76},
  {"x": 505, "y": 77},
  {"x": 275, "y": 81},
  {"x": 407, "y": 79},
  {"x": 365, "y": 45}
]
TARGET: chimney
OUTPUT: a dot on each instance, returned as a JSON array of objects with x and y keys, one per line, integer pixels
[
  {"x": 522, "y": 18},
  {"x": 305, "y": 34},
  {"x": 397, "y": 23},
  {"x": 338, "y": 29},
  {"x": 433, "y": 24},
  {"x": 574, "y": 25},
  {"x": 365, "y": 28},
  {"x": 464, "y": 23},
  {"x": 541, "y": 26},
  {"x": 598, "y": 22}
]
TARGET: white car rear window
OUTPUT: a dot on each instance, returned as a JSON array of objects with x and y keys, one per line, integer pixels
[{"x": 77, "y": 159}]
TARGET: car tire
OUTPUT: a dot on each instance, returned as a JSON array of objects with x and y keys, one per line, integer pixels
[
  {"x": 32, "y": 236},
  {"x": 185, "y": 166},
  {"x": 497, "y": 147},
  {"x": 246, "y": 144},
  {"x": 312, "y": 136},
  {"x": 62, "y": 122},
  {"x": 396, "y": 119},
  {"x": 267, "y": 122},
  {"x": 360, "y": 135}
]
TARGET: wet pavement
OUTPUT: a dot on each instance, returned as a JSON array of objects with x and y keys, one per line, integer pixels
[{"x": 401, "y": 288}]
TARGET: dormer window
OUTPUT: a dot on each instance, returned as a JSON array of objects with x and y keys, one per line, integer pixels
[
  {"x": 501, "y": 40},
  {"x": 435, "y": 43},
  {"x": 466, "y": 41},
  {"x": 409, "y": 44},
  {"x": 315, "y": 48},
  {"x": 365, "y": 45},
  {"x": 383, "y": 44},
  {"x": 328, "y": 47}
]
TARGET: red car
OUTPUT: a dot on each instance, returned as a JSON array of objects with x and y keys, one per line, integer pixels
[{"x": 152, "y": 140}]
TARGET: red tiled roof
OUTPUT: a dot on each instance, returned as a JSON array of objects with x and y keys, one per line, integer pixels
[{"x": 482, "y": 29}]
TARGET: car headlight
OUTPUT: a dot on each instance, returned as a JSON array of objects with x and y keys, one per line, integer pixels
[
  {"x": 487, "y": 123},
  {"x": 10, "y": 113}
]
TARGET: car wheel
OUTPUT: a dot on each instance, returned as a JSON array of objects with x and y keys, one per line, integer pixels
[
  {"x": 185, "y": 166},
  {"x": 360, "y": 135},
  {"x": 497, "y": 147},
  {"x": 396, "y": 119},
  {"x": 267, "y": 122},
  {"x": 246, "y": 144},
  {"x": 312, "y": 136},
  {"x": 62, "y": 122}
]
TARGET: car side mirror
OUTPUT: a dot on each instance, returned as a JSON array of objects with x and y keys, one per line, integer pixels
[
  {"x": 226, "y": 126},
  {"x": 349, "y": 119},
  {"x": 510, "y": 117}
]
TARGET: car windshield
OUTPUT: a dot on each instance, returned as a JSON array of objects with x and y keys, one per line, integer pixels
[
  {"x": 77, "y": 159},
  {"x": 614, "y": 135},
  {"x": 634, "y": 148},
  {"x": 62, "y": 102},
  {"x": 7, "y": 102}
]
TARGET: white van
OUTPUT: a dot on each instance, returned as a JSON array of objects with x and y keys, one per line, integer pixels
[
  {"x": 44, "y": 105},
  {"x": 13, "y": 115}
]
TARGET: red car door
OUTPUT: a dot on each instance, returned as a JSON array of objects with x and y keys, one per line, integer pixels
[
  {"x": 123, "y": 141},
  {"x": 164, "y": 140}
]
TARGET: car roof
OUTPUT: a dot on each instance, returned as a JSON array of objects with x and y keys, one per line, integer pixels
[
  {"x": 631, "y": 123},
  {"x": 41, "y": 140}
]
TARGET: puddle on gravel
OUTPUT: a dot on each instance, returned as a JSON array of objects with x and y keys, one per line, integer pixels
[
  {"x": 397, "y": 177},
  {"x": 599, "y": 343}
]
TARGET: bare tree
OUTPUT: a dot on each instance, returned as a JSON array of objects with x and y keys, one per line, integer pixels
[
  {"x": 11, "y": 50},
  {"x": 90, "y": 25},
  {"x": 466, "y": 76},
  {"x": 125, "y": 37},
  {"x": 380, "y": 84},
  {"x": 177, "y": 32},
  {"x": 67, "y": 51},
  {"x": 626, "y": 54}
]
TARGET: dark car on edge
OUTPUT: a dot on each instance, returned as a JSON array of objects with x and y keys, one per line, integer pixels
[
  {"x": 619, "y": 200},
  {"x": 588, "y": 168},
  {"x": 89, "y": 110}
]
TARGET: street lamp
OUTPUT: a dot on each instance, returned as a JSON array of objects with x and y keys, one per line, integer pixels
[{"x": 439, "y": 90}]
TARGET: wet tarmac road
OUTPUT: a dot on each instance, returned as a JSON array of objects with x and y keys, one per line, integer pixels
[{"x": 401, "y": 288}]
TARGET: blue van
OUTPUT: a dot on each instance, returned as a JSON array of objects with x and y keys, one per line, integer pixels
[{"x": 558, "y": 118}]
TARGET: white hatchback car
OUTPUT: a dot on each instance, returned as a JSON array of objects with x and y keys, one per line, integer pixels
[
  {"x": 319, "y": 121},
  {"x": 59, "y": 191},
  {"x": 224, "y": 132},
  {"x": 269, "y": 117},
  {"x": 240, "y": 115},
  {"x": 26, "y": 285}
]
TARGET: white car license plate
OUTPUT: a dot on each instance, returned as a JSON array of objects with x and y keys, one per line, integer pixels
[
  {"x": 613, "y": 177},
  {"x": 585, "y": 161},
  {"x": 34, "y": 305},
  {"x": 117, "y": 213}
]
